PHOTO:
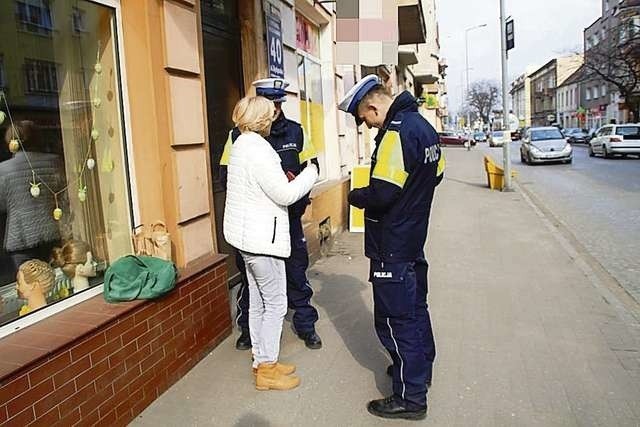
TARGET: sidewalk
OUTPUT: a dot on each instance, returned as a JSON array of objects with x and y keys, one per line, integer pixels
[{"x": 525, "y": 334}]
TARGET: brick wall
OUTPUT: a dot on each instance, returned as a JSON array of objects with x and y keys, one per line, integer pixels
[{"x": 109, "y": 376}]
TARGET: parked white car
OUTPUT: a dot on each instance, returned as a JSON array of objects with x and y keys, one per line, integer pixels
[
  {"x": 496, "y": 139},
  {"x": 610, "y": 140}
]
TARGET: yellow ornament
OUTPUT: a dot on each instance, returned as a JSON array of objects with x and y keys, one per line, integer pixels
[
  {"x": 2, "y": 117},
  {"x": 57, "y": 214},
  {"x": 98, "y": 68},
  {"x": 97, "y": 102},
  {"x": 35, "y": 190},
  {"x": 14, "y": 146},
  {"x": 95, "y": 134},
  {"x": 82, "y": 194}
]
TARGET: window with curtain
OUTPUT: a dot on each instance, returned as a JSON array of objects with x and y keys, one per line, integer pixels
[{"x": 64, "y": 194}]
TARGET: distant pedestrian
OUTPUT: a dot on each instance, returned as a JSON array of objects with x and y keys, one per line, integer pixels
[
  {"x": 256, "y": 222},
  {"x": 406, "y": 166}
]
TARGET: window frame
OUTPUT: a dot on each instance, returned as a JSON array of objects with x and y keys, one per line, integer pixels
[{"x": 129, "y": 170}]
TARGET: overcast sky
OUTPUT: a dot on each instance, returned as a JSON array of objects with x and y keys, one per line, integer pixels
[{"x": 544, "y": 29}]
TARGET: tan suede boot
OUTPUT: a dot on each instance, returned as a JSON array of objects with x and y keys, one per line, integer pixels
[
  {"x": 283, "y": 368},
  {"x": 270, "y": 378}
]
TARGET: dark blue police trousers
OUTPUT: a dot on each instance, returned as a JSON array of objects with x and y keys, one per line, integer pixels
[{"x": 403, "y": 325}]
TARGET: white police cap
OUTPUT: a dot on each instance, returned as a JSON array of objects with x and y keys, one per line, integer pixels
[
  {"x": 272, "y": 88},
  {"x": 349, "y": 103}
]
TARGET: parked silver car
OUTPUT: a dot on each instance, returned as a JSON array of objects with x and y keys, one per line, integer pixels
[
  {"x": 545, "y": 145},
  {"x": 616, "y": 139}
]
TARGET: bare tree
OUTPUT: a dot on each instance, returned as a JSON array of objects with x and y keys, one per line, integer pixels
[
  {"x": 482, "y": 97},
  {"x": 616, "y": 60}
]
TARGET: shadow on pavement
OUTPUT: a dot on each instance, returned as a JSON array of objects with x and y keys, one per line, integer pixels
[
  {"x": 253, "y": 420},
  {"x": 340, "y": 296},
  {"x": 471, "y": 184}
]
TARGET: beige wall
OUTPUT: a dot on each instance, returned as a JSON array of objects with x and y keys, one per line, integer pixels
[{"x": 162, "y": 46}]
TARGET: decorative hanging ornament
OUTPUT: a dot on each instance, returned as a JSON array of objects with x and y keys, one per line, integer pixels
[
  {"x": 57, "y": 214},
  {"x": 97, "y": 102},
  {"x": 91, "y": 163},
  {"x": 98, "y": 68},
  {"x": 82, "y": 193},
  {"x": 2, "y": 117},
  {"x": 95, "y": 134},
  {"x": 14, "y": 146},
  {"x": 35, "y": 190}
]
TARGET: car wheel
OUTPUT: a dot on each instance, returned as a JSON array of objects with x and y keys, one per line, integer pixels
[
  {"x": 590, "y": 150},
  {"x": 568, "y": 162},
  {"x": 605, "y": 153},
  {"x": 522, "y": 159}
]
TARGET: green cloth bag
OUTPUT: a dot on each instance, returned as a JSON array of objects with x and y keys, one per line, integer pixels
[{"x": 139, "y": 277}]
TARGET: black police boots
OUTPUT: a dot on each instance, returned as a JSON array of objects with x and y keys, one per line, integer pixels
[
  {"x": 394, "y": 407},
  {"x": 311, "y": 340},
  {"x": 244, "y": 341}
]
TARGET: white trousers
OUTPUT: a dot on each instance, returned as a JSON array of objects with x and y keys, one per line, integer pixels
[{"x": 267, "y": 305}]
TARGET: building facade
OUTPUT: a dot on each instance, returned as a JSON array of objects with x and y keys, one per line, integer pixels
[
  {"x": 544, "y": 83},
  {"x": 569, "y": 102}
]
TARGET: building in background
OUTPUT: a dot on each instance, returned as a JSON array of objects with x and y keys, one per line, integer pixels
[
  {"x": 430, "y": 70},
  {"x": 544, "y": 84},
  {"x": 521, "y": 97},
  {"x": 568, "y": 101}
]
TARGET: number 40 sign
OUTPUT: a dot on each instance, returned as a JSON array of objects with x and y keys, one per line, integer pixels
[{"x": 274, "y": 41}]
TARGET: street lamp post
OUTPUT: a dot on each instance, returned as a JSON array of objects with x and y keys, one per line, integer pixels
[
  {"x": 505, "y": 111},
  {"x": 466, "y": 68}
]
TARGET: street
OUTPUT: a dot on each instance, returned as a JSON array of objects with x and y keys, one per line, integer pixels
[{"x": 597, "y": 199}]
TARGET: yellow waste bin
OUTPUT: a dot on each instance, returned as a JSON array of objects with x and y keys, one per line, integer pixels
[{"x": 495, "y": 174}]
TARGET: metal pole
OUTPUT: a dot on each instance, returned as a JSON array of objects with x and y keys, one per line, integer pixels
[
  {"x": 506, "y": 146},
  {"x": 466, "y": 69}
]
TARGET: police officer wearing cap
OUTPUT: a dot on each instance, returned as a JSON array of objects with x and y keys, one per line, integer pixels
[
  {"x": 289, "y": 140},
  {"x": 406, "y": 166}
]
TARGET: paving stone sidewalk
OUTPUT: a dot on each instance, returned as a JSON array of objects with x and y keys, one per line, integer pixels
[{"x": 525, "y": 335}]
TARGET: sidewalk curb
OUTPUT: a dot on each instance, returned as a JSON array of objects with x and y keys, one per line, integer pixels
[{"x": 610, "y": 289}]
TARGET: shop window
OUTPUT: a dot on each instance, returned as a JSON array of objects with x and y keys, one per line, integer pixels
[
  {"x": 311, "y": 108},
  {"x": 64, "y": 198},
  {"x": 34, "y": 16},
  {"x": 310, "y": 84}
]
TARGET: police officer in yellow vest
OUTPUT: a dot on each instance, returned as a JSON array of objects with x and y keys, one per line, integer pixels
[
  {"x": 288, "y": 139},
  {"x": 406, "y": 166}
]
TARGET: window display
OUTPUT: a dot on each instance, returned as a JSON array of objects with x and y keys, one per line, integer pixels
[{"x": 64, "y": 199}]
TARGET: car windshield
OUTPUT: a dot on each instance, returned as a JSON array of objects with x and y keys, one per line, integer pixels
[
  {"x": 628, "y": 130},
  {"x": 446, "y": 133},
  {"x": 498, "y": 133},
  {"x": 573, "y": 131},
  {"x": 479, "y": 135},
  {"x": 545, "y": 134}
]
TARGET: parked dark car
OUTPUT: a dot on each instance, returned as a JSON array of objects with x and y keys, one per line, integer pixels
[
  {"x": 451, "y": 138},
  {"x": 576, "y": 135}
]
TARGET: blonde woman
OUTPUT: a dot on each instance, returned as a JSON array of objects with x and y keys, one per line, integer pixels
[{"x": 256, "y": 222}]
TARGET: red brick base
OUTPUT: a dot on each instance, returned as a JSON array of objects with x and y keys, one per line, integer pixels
[{"x": 110, "y": 375}]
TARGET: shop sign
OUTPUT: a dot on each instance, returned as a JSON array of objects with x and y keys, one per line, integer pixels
[{"x": 274, "y": 41}]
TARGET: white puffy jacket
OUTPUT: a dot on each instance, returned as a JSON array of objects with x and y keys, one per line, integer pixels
[{"x": 258, "y": 193}]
